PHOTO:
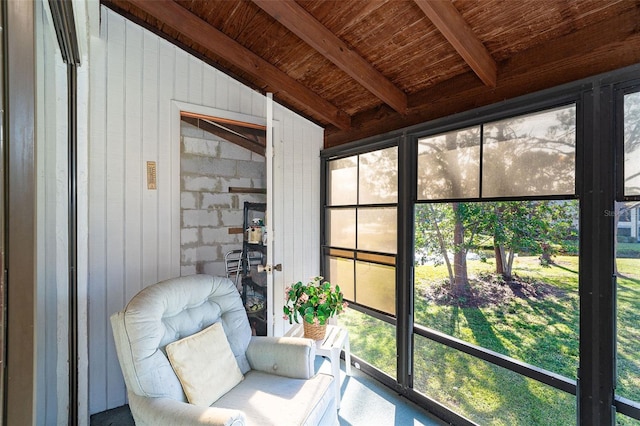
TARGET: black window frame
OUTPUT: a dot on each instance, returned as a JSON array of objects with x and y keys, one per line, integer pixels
[{"x": 597, "y": 186}]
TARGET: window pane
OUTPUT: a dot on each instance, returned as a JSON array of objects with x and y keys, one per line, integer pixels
[
  {"x": 632, "y": 144},
  {"x": 341, "y": 224},
  {"x": 449, "y": 165},
  {"x": 342, "y": 181},
  {"x": 519, "y": 299},
  {"x": 340, "y": 272},
  {"x": 530, "y": 155},
  {"x": 377, "y": 229},
  {"x": 627, "y": 219},
  {"x": 623, "y": 420},
  {"x": 484, "y": 393},
  {"x": 371, "y": 339},
  {"x": 376, "y": 286},
  {"x": 379, "y": 176}
]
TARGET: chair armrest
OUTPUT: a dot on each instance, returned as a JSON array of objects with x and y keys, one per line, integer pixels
[
  {"x": 285, "y": 356},
  {"x": 169, "y": 412}
]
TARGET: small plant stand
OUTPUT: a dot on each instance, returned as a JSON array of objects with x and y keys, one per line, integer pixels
[{"x": 331, "y": 346}]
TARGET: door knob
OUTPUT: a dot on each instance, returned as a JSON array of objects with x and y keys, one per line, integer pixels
[{"x": 268, "y": 268}]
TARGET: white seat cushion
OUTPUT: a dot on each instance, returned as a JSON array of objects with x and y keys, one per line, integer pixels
[{"x": 274, "y": 400}]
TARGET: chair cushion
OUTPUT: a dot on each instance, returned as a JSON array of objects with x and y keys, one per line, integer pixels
[
  {"x": 266, "y": 399},
  {"x": 205, "y": 365}
]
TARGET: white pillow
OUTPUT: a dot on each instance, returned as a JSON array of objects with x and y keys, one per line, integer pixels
[{"x": 205, "y": 365}]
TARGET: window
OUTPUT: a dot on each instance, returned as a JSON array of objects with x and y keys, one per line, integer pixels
[
  {"x": 361, "y": 227},
  {"x": 501, "y": 276},
  {"x": 510, "y": 278},
  {"x": 528, "y": 155},
  {"x": 626, "y": 219}
]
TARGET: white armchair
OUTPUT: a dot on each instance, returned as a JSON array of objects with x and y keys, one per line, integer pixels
[{"x": 277, "y": 382}]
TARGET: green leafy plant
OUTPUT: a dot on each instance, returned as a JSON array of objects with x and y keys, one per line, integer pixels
[{"x": 315, "y": 302}]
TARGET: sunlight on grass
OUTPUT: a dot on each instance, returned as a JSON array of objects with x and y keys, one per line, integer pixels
[
  {"x": 628, "y": 345},
  {"x": 485, "y": 393},
  {"x": 515, "y": 327},
  {"x": 539, "y": 329},
  {"x": 371, "y": 339}
]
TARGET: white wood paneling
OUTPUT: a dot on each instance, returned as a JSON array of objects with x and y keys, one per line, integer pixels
[
  {"x": 296, "y": 176},
  {"x": 138, "y": 84}
]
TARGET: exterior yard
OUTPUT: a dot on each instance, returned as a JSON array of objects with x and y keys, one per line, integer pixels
[{"x": 534, "y": 321}]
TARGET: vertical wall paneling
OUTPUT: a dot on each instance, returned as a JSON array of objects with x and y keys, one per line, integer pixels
[
  {"x": 115, "y": 192},
  {"x": 222, "y": 92},
  {"x": 133, "y": 109},
  {"x": 168, "y": 241},
  {"x": 195, "y": 81},
  {"x": 134, "y": 119},
  {"x": 276, "y": 248},
  {"x": 209, "y": 86},
  {"x": 297, "y": 204},
  {"x": 150, "y": 238},
  {"x": 96, "y": 286}
]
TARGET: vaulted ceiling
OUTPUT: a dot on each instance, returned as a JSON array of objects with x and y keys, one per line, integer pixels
[{"x": 361, "y": 68}]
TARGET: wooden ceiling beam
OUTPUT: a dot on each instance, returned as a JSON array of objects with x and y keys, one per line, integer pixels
[
  {"x": 603, "y": 47},
  {"x": 455, "y": 29},
  {"x": 311, "y": 31},
  {"x": 198, "y": 30}
]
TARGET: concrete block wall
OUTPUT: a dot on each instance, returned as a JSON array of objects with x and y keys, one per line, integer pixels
[{"x": 210, "y": 165}]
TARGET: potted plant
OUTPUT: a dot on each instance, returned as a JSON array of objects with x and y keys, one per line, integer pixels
[{"x": 314, "y": 302}]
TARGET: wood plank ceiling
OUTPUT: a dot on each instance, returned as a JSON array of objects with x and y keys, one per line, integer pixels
[{"x": 361, "y": 68}]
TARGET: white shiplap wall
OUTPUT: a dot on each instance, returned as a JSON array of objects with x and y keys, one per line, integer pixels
[{"x": 136, "y": 81}]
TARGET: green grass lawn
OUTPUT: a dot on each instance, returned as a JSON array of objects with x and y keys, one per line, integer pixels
[{"x": 542, "y": 331}]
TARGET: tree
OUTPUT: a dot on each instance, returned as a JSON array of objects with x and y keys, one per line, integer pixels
[
  {"x": 511, "y": 227},
  {"x": 522, "y": 156}
]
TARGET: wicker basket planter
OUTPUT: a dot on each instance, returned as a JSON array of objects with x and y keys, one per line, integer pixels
[{"x": 314, "y": 331}]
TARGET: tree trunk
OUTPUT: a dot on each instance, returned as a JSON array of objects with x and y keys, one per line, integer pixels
[
  {"x": 498, "y": 250},
  {"x": 545, "y": 258},
  {"x": 442, "y": 244},
  {"x": 459, "y": 283},
  {"x": 507, "y": 273}
]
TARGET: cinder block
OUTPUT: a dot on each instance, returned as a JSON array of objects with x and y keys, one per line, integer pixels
[
  {"x": 258, "y": 158},
  {"x": 214, "y": 268},
  {"x": 258, "y": 183},
  {"x": 187, "y": 270},
  {"x": 199, "y": 218},
  {"x": 231, "y": 217},
  {"x": 207, "y": 253},
  {"x": 207, "y": 166},
  {"x": 223, "y": 167},
  {"x": 198, "y": 146},
  {"x": 188, "y": 256},
  {"x": 250, "y": 169},
  {"x": 188, "y": 236},
  {"x": 202, "y": 183},
  {"x": 226, "y": 248},
  {"x": 215, "y": 200},
  {"x": 188, "y": 200},
  {"x": 213, "y": 236},
  {"x": 188, "y": 130},
  {"x": 236, "y": 182},
  {"x": 252, "y": 198},
  {"x": 232, "y": 151},
  {"x": 195, "y": 165}
]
